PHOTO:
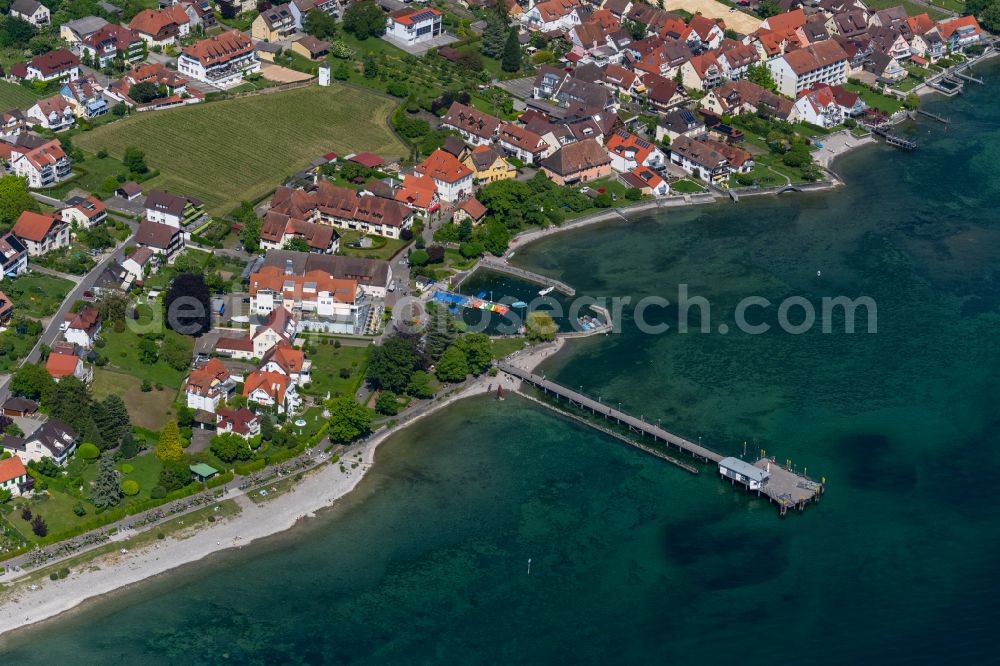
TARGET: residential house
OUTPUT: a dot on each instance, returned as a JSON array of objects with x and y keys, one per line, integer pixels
[
  {"x": 373, "y": 275},
  {"x": 736, "y": 97},
  {"x": 240, "y": 422},
  {"x": 19, "y": 406},
  {"x": 41, "y": 233},
  {"x": 735, "y": 59},
  {"x": 646, "y": 181},
  {"x": 84, "y": 212},
  {"x": 818, "y": 106},
  {"x": 13, "y": 256},
  {"x": 85, "y": 96},
  {"x": 83, "y": 327},
  {"x": 320, "y": 301},
  {"x": 850, "y": 103},
  {"x": 163, "y": 239},
  {"x": 14, "y": 477},
  {"x": 620, "y": 80},
  {"x": 344, "y": 208},
  {"x": 552, "y": 15},
  {"x": 221, "y": 60},
  {"x": 702, "y": 72},
  {"x": 6, "y": 309},
  {"x": 12, "y": 123},
  {"x": 104, "y": 45},
  {"x": 278, "y": 325},
  {"x": 663, "y": 57},
  {"x": 161, "y": 27},
  {"x": 310, "y": 47},
  {"x": 891, "y": 42},
  {"x": 470, "y": 209},
  {"x": 578, "y": 162},
  {"x": 173, "y": 210},
  {"x": 302, "y": 7},
  {"x": 278, "y": 229},
  {"x": 31, "y": 11},
  {"x": 680, "y": 122},
  {"x": 54, "y": 439},
  {"x": 413, "y": 25},
  {"x": 886, "y": 68},
  {"x": 61, "y": 365},
  {"x": 552, "y": 83},
  {"x": 452, "y": 178},
  {"x": 703, "y": 32},
  {"x": 663, "y": 94},
  {"x": 75, "y": 31},
  {"x": 959, "y": 33},
  {"x": 199, "y": 13},
  {"x": 58, "y": 65},
  {"x": 850, "y": 24},
  {"x": 272, "y": 390},
  {"x": 178, "y": 92},
  {"x": 824, "y": 62},
  {"x": 39, "y": 161},
  {"x": 274, "y": 24},
  {"x": 488, "y": 166},
  {"x": 628, "y": 152},
  {"x": 53, "y": 113},
  {"x": 113, "y": 278},
  {"x": 286, "y": 360},
  {"x": 418, "y": 191},
  {"x": 142, "y": 261},
  {"x": 208, "y": 385},
  {"x": 701, "y": 160},
  {"x": 790, "y": 20},
  {"x": 523, "y": 144},
  {"x": 476, "y": 127}
]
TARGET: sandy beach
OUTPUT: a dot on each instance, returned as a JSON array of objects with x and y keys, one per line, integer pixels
[{"x": 318, "y": 489}]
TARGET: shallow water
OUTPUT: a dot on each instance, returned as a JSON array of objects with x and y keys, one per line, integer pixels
[{"x": 634, "y": 560}]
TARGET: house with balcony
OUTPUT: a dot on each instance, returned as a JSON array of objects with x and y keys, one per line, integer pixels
[
  {"x": 823, "y": 62},
  {"x": 628, "y": 152},
  {"x": 702, "y": 72},
  {"x": 278, "y": 229},
  {"x": 476, "y": 127},
  {"x": 173, "y": 210},
  {"x": 13, "y": 256},
  {"x": 489, "y": 166},
  {"x": 221, "y": 60},
  {"x": 412, "y": 25},
  {"x": 162, "y": 239},
  {"x": 85, "y": 212},
  {"x": 523, "y": 144},
  {"x": 54, "y": 439},
  {"x": 577, "y": 162},
  {"x": 959, "y": 33},
  {"x": 291, "y": 362},
  {"x": 40, "y": 232},
  {"x": 58, "y": 65},
  {"x": 272, "y": 391},
  {"x": 61, "y": 365},
  {"x": 82, "y": 327},
  {"x": 317, "y": 300},
  {"x": 208, "y": 385},
  {"x": 161, "y": 27},
  {"x": 818, "y": 106},
  {"x": 240, "y": 422},
  {"x": 39, "y": 161},
  {"x": 85, "y": 96},
  {"x": 104, "y": 45},
  {"x": 701, "y": 160},
  {"x": 452, "y": 178},
  {"x": 53, "y": 113},
  {"x": 32, "y": 11},
  {"x": 274, "y": 24},
  {"x": 552, "y": 15},
  {"x": 12, "y": 123},
  {"x": 344, "y": 208}
]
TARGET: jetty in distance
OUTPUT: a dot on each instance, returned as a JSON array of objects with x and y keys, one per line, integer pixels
[{"x": 785, "y": 487}]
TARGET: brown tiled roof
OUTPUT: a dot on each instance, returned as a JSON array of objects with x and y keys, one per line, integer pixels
[
  {"x": 814, "y": 56},
  {"x": 53, "y": 61},
  {"x": 576, "y": 157},
  {"x": 443, "y": 166},
  {"x": 220, "y": 48},
  {"x": 474, "y": 208},
  {"x": 471, "y": 120},
  {"x": 34, "y": 226},
  {"x": 153, "y": 21},
  {"x": 155, "y": 234}
]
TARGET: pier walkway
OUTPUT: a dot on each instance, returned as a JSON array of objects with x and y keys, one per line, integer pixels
[
  {"x": 503, "y": 267},
  {"x": 785, "y": 487}
]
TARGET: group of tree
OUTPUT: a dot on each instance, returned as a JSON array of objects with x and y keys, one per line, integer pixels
[
  {"x": 146, "y": 92},
  {"x": 135, "y": 161},
  {"x": 319, "y": 24},
  {"x": 761, "y": 75},
  {"x": 15, "y": 32},
  {"x": 364, "y": 19},
  {"x": 250, "y": 232},
  {"x": 103, "y": 423},
  {"x": 14, "y": 200},
  {"x": 987, "y": 11},
  {"x": 500, "y": 40},
  {"x": 348, "y": 419},
  {"x": 229, "y": 447}
]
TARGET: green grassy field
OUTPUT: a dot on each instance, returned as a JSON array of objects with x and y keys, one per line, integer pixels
[
  {"x": 121, "y": 349},
  {"x": 912, "y": 8},
  {"x": 685, "y": 186},
  {"x": 234, "y": 150},
  {"x": 36, "y": 295},
  {"x": 327, "y": 360},
  {"x": 149, "y": 409},
  {"x": 15, "y": 96}
]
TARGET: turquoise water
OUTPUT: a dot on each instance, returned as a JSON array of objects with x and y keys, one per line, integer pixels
[{"x": 634, "y": 560}]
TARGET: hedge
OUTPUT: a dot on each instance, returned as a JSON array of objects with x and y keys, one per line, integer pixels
[
  {"x": 250, "y": 467},
  {"x": 220, "y": 480}
]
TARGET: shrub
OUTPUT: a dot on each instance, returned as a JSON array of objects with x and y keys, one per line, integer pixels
[
  {"x": 53, "y": 576},
  {"x": 146, "y": 386},
  {"x": 130, "y": 487},
  {"x": 63, "y": 572},
  {"x": 127, "y": 468},
  {"x": 26, "y": 514},
  {"x": 88, "y": 451},
  {"x": 158, "y": 492},
  {"x": 79, "y": 510},
  {"x": 161, "y": 535}
]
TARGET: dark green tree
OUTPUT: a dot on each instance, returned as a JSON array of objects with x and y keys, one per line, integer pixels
[
  {"x": 32, "y": 381},
  {"x": 420, "y": 385},
  {"x": 319, "y": 24},
  {"x": 348, "y": 420},
  {"x": 135, "y": 160},
  {"x": 387, "y": 403},
  {"x": 511, "y": 53},
  {"x": 364, "y": 19},
  {"x": 229, "y": 447},
  {"x": 392, "y": 364},
  {"x": 440, "y": 333},
  {"x": 478, "y": 350},
  {"x": 452, "y": 367},
  {"x": 107, "y": 491},
  {"x": 494, "y": 36}
]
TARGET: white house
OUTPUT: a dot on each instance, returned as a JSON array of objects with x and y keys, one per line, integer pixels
[
  {"x": 86, "y": 212},
  {"x": 53, "y": 439},
  {"x": 818, "y": 106},
  {"x": 221, "y": 60},
  {"x": 552, "y": 15},
  {"x": 452, "y": 178},
  {"x": 749, "y": 475},
  {"x": 58, "y": 65},
  {"x": 13, "y": 476},
  {"x": 54, "y": 113},
  {"x": 41, "y": 233},
  {"x": 291, "y": 362},
  {"x": 241, "y": 422},
  {"x": 822, "y": 62},
  {"x": 271, "y": 389},
  {"x": 40, "y": 162},
  {"x": 142, "y": 262},
  {"x": 31, "y": 11},
  {"x": 82, "y": 327},
  {"x": 627, "y": 152},
  {"x": 208, "y": 385},
  {"x": 412, "y": 25},
  {"x": 13, "y": 256}
]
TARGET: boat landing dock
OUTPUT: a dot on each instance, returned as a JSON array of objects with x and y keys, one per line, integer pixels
[{"x": 781, "y": 485}]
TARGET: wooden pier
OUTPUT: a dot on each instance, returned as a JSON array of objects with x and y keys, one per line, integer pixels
[
  {"x": 783, "y": 486},
  {"x": 933, "y": 116},
  {"x": 966, "y": 77},
  {"x": 892, "y": 139}
]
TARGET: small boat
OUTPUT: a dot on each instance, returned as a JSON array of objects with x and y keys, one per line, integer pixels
[
  {"x": 481, "y": 294},
  {"x": 546, "y": 291},
  {"x": 510, "y": 255},
  {"x": 519, "y": 304}
]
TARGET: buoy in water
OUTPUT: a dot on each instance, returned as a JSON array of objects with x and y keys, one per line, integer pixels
[{"x": 819, "y": 273}]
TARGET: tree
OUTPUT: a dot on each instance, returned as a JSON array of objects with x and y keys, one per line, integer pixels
[
  {"x": 364, "y": 19},
  {"x": 636, "y": 29},
  {"x": 187, "y": 305},
  {"x": 494, "y": 36},
  {"x": 130, "y": 487},
  {"x": 348, "y": 420},
  {"x": 147, "y": 351},
  {"x": 478, "y": 350},
  {"x": 761, "y": 75},
  {"x": 107, "y": 491},
  {"x": 420, "y": 385},
  {"x": 174, "y": 475},
  {"x": 135, "y": 160},
  {"x": 440, "y": 333},
  {"x": 14, "y": 199},
  {"x": 990, "y": 16},
  {"x": 392, "y": 364},
  {"x": 175, "y": 352},
  {"x": 129, "y": 447},
  {"x": 540, "y": 326},
  {"x": 230, "y": 446},
  {"x": 768, "y": 8},
  {"x": 114, "y": 420},
  {"x": 113, "y": 305},
  {"x": 39, "y": 527},
  {"x": 511, "y": 53},
  {"x": 387, "y": 403},
  {"x": 452, "y": 367},
  {"x": 120, "y": 109},
  {"x": 912, "y": 100},
  {"x": 169, "y": 445},
  {"x": 32, "y": 381},
  {"x": 297, "y": 244},
  {"x": 319, "y": 24}
]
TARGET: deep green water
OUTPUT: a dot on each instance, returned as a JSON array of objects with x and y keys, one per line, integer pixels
[{"x": 635, "y": 561}]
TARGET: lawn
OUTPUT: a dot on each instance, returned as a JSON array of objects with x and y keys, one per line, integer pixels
[
  {"x": 91, "y": 174},
  {"x": 145, "y": 471},
  {"x": 149, "y": 409},
  {"x": 14, "y": 95},
  {"x": 36, "y": 295},
  {"x": 685, "y": 186},
  {"x": 912, "y": 8},
  {"x": 382, "y": 248},
  {"x": 57, "y": 510},
  {"x": 235, "y": 150},
  {"x": 14, "y": 347},
  {"x": 121, "y": 350},
  {"x": 873, "y": 99},
  {"x": 505, "y": 346},
  {"x": 328, "y": 360}
]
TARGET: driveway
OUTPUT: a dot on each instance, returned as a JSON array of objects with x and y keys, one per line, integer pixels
[
  {"x": 519, "y": 88},
  {"x": 420, "y": 48},
  {"x": 136, "y": 207}
]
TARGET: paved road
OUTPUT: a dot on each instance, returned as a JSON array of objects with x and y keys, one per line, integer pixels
[{"x": 48, "y": 201}]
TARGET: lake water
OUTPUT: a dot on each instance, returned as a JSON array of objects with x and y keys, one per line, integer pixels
[{"x": 633, "y": 560}]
